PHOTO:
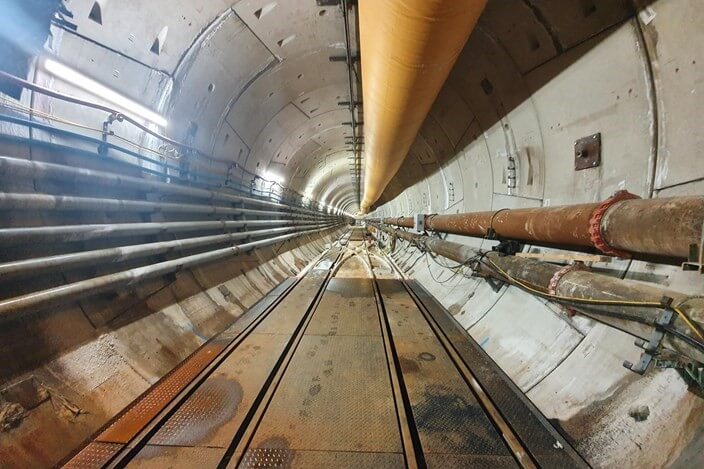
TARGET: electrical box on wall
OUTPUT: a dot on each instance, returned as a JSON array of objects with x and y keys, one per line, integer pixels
[{"x": 419, "y": 222}]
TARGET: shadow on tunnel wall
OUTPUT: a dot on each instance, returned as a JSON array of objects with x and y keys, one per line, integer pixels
[{"x": 518, "y": 47}]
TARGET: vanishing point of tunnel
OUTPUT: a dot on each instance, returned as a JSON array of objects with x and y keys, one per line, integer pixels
[{"x": 351, "y": 234}]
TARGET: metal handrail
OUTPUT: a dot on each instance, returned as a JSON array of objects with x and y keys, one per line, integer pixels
[
  {"x": 117, "y": 115},
  {"x": 11, "y": 167},
  {"x": 17, "y": 81}
]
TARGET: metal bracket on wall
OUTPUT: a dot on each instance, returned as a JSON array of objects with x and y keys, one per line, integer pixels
[
  {"x": 651, "y": 348},
  {"x": 343, "y": 58},
  {"x": 695, "y": 260},
  {"x": 329, "y": 3},
  {"x": 103, "y": 147},
  {"x": 511, "y": 171},
  {"x": 587, "y": 152},
  {"x": 508, "y": 247},
  {"x": 419, "y": 222},
  {"x": 691, "y": 372},
  {"x": 694, "y": 373},
  {"x": 494, "y": 284}
]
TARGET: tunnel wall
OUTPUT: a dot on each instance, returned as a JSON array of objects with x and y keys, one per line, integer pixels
[
  {"x": 86, "y": 361},
  {"x": 252, "y": 84},
  {"x": 635, "y": 81},
  {"x": 76, "y": 367}
]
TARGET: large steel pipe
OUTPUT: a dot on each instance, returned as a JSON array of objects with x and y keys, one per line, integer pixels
[
  {"x": 128, "y": 278},
  {"x": 71, "y": 233},
  {"x": 658, "y": 227},
  {"x": 26, "y": 169},
  {"x": 14, "y": 201},
  {"x": 41, "y": 265},
  {"x": 408, "y": 48},
  {"x": 595, "y": 295}
]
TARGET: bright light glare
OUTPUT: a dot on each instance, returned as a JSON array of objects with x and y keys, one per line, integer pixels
[
  {"x": 103, "y": 92},
  {"x": 273, "y": 177}
]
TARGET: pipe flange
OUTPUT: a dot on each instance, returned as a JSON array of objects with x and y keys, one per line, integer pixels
[
  {"x": 595, "y": 232},
  {"x": 557, "y": 276}
]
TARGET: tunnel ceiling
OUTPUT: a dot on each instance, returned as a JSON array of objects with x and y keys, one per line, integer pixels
[{"x": 252, "y": 82}]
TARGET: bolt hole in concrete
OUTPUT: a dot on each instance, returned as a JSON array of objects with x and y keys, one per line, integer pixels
[
  {"x": 639, "y": 413},
  {"x": 211, "y": 88},
  {"x": 286, "y": 40},
  {"x": 96, "y": 13}
]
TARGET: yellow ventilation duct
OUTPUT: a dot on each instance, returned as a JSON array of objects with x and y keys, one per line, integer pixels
[{"x": 408, "y": 50}]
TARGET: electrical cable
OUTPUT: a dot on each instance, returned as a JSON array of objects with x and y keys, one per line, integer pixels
[
  {"x": 684, "y": 337},
  {"x": 415, "y": 262},
  {"x": 534, "y": 289},
  {"x": 482, "y": 259},
  {"x": 441, "y": 282}
]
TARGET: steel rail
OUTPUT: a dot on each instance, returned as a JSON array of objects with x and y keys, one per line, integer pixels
[
  {"x": 241, "y": 441},
  {"x": 514, "y": 437},
  {"x": 412, "y": 448},
  {"x": 510, "y": 438},
  {"x": 223, "y": 344},
  {"x": 141, "y": 437}
]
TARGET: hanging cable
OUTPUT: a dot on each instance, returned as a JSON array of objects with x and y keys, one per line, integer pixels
[{"x": 591, "y": 301}]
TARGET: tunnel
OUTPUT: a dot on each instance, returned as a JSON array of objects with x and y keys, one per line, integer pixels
[{"x": 351, "y": 233}]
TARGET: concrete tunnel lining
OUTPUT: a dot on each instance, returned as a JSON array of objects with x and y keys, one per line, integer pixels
[{"x": 251, "y": 82}]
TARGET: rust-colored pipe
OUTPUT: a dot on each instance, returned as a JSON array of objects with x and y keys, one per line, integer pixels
[
  {"x": 408, "y": 49},
  {"x": 584, "y": 285},
  {"x": 657, "y": 227}
]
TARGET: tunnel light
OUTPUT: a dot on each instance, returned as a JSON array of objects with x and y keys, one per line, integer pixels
[
  {"x": 273, "y": 177},
  {"x": 101, "y": 91}
]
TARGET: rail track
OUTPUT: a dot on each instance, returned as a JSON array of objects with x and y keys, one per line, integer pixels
[{"x": 351, "y": 364}]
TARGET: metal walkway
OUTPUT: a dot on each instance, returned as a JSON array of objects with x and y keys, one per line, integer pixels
[{"x": 342, "y": 367}]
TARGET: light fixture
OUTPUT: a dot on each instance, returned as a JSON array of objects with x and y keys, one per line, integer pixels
[
  {"x": 101, "y": 91},
  {"x": 273, "y": 177}
]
